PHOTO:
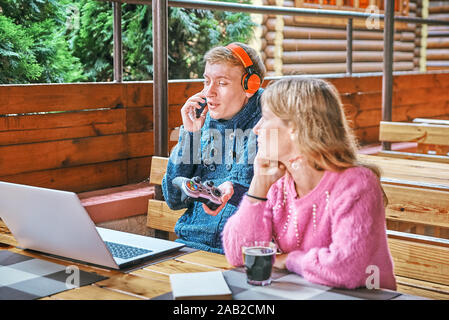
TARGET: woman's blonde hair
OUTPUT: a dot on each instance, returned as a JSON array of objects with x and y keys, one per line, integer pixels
[{"x": 315, "y": 109}]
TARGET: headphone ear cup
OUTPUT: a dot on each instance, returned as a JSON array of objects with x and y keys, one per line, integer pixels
[{"x": 251, "y": 82}]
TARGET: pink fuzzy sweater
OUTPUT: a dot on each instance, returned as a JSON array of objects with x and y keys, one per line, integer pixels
[{"x": 333, "y": 235}]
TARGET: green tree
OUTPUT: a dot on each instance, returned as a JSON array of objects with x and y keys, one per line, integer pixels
[
  {"x": 191, "y": 33},
  {"x": 72, "y": 40},
  {"x": 17, "y": 62},
  {"x": 33, "y": 44}
]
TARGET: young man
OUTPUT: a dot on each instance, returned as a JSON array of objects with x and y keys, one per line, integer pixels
[{"x": 219, "y": 145}]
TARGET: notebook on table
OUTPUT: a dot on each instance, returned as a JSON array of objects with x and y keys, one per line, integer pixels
[
  {"x": 55, "y": 222},
  {"x": 200, "y": 285}
]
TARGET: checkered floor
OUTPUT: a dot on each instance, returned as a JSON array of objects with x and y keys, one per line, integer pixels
[{"x": 26, "y": 278}]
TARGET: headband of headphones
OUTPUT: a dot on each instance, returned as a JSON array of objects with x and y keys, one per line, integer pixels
[{"x": 251, "y": 80}]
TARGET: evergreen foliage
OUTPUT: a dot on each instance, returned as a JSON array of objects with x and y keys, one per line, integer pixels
[
  {"x": 72, "y": 40},
  {"x": 33, "y": 46}
]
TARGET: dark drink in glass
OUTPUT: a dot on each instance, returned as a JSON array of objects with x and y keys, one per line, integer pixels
[{"x": 258, "y": 259}]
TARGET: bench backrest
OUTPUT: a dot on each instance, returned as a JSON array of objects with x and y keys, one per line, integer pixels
[
  {"x": 418, "y": 194},
  {"x": 432, "y": 137},
  {"x": 160, "y": 216},
  {"x": 421, "y": 264}
]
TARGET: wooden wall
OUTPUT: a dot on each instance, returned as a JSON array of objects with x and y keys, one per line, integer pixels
[
  {"x": 437, "y": 52},
  {"x": 82, "y": 137},
  {"x": 316, "y": 46},
  {"x": 431, "y": 42},
  {"x": 95, "y": 136}
]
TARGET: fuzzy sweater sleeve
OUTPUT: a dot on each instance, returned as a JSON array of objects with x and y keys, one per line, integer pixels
[
  {"x": 357, "y": 213},
  {"x": 251, "y": 222}
]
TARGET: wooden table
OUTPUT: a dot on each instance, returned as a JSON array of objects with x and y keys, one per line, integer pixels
[{"x": 150, "y": 281}]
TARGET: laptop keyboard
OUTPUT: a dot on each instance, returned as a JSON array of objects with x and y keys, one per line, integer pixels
[{"x": 123, "y": 251}]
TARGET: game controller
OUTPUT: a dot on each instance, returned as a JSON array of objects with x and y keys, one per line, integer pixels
[
  {"x": 194, "y": 190},
  {"x": 200, "y": 110}
]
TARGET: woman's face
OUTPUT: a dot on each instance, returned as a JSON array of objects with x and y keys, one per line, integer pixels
[
  {"x": 223, "y": 90},
  {"x": 274, "y": 137}
]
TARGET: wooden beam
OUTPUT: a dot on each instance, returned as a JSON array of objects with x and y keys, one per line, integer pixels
[
  {"x": 420, "y": 288},
  {"x": 424, "y": 32},
  {"x": 161, "y": 217},
  {"x": 417, "y": 205},
  {"x": 158, "y": 169},
  {"x": 74, "y": 152},
  {"x": 414, "y": 156},
  {"x": 416, "y": 132},
  {"x": 411, "y": 172},
  {"x": 278, "y": 43},
  {"x": 421, "y": 261}
]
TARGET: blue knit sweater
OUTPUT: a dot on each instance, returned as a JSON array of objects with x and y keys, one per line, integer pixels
[{"x": 224, "y": 150}]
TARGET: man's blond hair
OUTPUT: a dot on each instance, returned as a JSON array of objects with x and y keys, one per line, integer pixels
[{"x": 222, "y": 54}]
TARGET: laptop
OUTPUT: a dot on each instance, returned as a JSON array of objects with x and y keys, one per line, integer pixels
[{"x": 56, "y": 223}]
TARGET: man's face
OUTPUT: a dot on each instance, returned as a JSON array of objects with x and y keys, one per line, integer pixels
[{"x": 223, "y": 90}]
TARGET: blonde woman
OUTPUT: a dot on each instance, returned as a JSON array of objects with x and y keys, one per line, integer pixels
[{"x": 324, "y": 210}]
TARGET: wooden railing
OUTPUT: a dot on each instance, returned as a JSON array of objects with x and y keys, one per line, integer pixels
[{"x": 75, "y": 137}]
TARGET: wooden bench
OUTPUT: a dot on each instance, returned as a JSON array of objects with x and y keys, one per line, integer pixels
[
  {"x": 421, "y": 264},
  {"x": 418, "y": 194},
  {"x": 160, "y": 217},
  {"x": 431, "y": 136}
]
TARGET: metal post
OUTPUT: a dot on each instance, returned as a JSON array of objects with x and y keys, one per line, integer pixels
[
  {"x": 349, "y": 47},
  {"x": 387, "y": 78},
  {"x": 160, "y": 77},
  {"x": 118, "y": 50}
]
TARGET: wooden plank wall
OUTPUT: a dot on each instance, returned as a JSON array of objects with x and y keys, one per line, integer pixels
[
  {"x": 82, "y": 137},
  {"x": 96, "y": 135},
  {"x": 310, "y": 45},
  {"x": 414, "y": 94}
]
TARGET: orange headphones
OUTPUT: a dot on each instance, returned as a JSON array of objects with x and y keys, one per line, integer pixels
[{"x": 251, "y": 80}]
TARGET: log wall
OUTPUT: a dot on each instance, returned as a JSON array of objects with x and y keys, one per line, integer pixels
[
  {"x": 311, "y": 46},
  {"x": 81, "y": 137},
  {"x": 438, "y": 37}
]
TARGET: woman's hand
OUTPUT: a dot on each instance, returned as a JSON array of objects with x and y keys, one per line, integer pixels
[
  {"x": 280, "y": 261},
  {"x": 227, "y": 190},
  {"x": 188, "y": 113},
  {"x": 266, "y": 172}
]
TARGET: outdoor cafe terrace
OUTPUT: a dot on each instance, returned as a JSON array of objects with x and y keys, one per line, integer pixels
[{"x": 103, "y": 141}]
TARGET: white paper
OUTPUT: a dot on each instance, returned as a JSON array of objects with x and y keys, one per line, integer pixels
[{"x": 198, "y": 284}]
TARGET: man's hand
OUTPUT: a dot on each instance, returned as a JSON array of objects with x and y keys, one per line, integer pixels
[
  {"x": 188, "y": 113},
  {"x": 227, "y": 190}
]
